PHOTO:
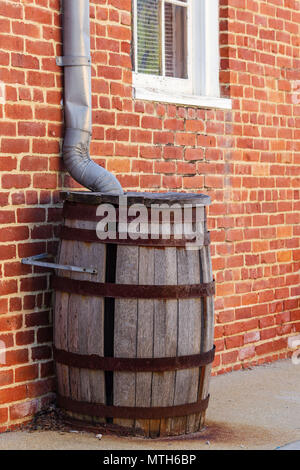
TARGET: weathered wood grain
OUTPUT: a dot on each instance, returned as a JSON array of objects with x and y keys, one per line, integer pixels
[
  {"x": 164, "y": 338},
  {"x": 91, "y": 322},
  {"x": 208, "y": 318},
  {"x": 145, "y": 334},
  {"x": 189, "y": 339},
  {"x": 84, "y": 317},
  {"x": 61, "y": 323},
  {"x": 125, "y": 333}
]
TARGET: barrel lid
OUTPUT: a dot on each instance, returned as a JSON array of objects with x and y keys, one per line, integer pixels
[{"x": 93, "y": 198}]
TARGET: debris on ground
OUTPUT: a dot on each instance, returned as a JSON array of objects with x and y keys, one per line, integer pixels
[
  {"x": 55, "y": 419},
  {"x": 50, "y": 419}
]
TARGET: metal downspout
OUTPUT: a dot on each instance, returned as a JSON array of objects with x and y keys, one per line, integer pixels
[{"x": 77, "y": 101}]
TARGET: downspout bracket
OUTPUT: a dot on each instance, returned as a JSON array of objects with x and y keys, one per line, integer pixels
[{"x": 72, "y": 60}]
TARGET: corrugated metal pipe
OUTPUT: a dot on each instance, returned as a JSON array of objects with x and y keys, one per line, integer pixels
[{"x": 77, "y": 101}]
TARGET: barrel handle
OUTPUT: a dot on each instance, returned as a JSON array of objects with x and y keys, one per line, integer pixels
[{"x": 34, "y": 261}]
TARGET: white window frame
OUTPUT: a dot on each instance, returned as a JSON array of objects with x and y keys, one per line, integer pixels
[{"x": 202, "y": 89}]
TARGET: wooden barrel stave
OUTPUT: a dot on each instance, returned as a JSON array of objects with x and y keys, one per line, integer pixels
[
  {"x": 189, "y": 337},
  {"x": 145, "y": 328},
  {"x": 164, "y": 337},
  {"x": 208, "y": 330},
  {"x": 61, "y": 322},
  {"x": 125, "y": 329}
]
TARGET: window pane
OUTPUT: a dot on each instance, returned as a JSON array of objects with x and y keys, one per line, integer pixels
[
  {"x": 148, "y": 33},
  {"x": 175, "y": 41}
]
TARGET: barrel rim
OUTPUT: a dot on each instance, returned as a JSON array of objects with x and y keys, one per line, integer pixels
[
  {"x": 79, "y": 211},
  {"x": 88, "y": 197}
]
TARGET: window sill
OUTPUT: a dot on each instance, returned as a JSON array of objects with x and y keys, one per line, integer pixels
[{"x": 185, "y": 100}]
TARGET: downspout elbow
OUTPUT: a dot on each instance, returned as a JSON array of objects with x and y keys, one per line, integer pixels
[{"x": 82, "y": 168}]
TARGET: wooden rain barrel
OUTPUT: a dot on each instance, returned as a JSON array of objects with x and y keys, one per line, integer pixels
[{"x": 134, "y": 342}]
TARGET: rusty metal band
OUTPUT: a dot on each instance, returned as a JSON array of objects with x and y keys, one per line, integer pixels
[
  {"x": 104, "y": 411},
  {"x": 130, "y": 291},
  {"x": 90, "y": 236},
  {"x": 89, "y": 212},
  {"x": 160, "y": 364}
]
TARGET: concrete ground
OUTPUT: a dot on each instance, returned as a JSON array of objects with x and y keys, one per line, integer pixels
[{"x": 256, "y": 409}]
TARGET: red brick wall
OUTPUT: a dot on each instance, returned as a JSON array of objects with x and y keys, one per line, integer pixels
[{"x": 246, "y": 159}]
